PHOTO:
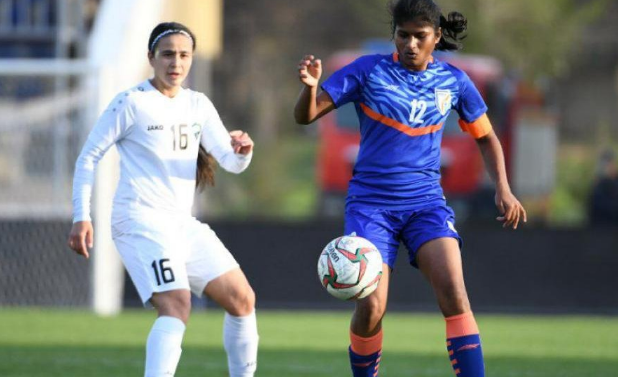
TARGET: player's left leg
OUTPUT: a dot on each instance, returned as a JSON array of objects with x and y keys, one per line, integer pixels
[
  {"x": 240, "y": 336},
  {"x": 213, "y": 271},
  {"x": 440, "y": 261}
]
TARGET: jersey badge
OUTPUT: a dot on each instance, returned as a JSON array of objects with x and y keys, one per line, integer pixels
[
  {"x": 443, "y": 100},
  {"x": 197, "y": 129}
]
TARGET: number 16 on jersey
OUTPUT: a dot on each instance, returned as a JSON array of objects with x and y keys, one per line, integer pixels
[{"x": 162, "y": 273}]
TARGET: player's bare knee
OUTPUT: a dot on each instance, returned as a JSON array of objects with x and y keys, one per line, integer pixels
[
  {"x": 454, "y": 301},
  {"x": 173, "y": 304},
  {"x": 243, "y": 302},
  {"x": 370, "y": 311}
]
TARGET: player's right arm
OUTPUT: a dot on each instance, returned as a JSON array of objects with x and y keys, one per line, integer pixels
[
  {"x": 110, "y": 127},
  {"x": 310, "y": 105},
  {"x": 81, "y": 238}
]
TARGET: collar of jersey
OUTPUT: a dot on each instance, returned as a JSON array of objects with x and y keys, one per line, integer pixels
[
  {"x": 395, "y": 61},
  {"x": 150, "y": 87}
]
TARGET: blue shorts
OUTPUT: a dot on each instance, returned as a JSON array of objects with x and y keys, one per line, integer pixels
[{"x": 387, "y": 228}]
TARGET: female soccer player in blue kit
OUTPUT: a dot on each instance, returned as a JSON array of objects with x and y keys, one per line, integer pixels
[
  {"x": 402, "y": 101},
  {"x": 167, "y": 137}
]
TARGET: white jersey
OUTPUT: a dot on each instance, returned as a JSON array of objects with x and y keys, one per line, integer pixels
[{"x": 158, "y": 140}]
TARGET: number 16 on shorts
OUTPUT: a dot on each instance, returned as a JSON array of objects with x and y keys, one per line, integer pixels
[{"x": 163, "y": 273}]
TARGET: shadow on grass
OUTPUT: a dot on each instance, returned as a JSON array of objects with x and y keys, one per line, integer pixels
[{"x": 56, "y": 361}]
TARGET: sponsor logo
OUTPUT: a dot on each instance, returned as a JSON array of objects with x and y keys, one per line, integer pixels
[
  {"x": 155, "y": 127},
  {"x": 443, "y": 100},
  {"x": 469, "y": 347},
  {"x": 391, "y": 87},
  {"x": 333, "y": 254}
]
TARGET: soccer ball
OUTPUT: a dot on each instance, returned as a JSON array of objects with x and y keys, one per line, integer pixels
[{"x": 350, "y": 267}]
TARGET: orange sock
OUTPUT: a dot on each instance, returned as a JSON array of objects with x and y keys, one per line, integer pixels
[
  {"x": 366, "y": 346},
  {"x": 463, "y": 344},
  {"x": 461, "y": 325}
]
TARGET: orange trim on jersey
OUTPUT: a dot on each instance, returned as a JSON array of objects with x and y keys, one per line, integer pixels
[
  {"x": 479, "y": 128},
  {"x": 399, "y": 126},
  {"x": 461, "y": 325},
  {"x": 366, "y": 346}
]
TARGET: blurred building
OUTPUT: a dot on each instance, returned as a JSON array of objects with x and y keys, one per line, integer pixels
[
  {"x": 588, "y": 95},
  {"x": 44, "y": 28}
]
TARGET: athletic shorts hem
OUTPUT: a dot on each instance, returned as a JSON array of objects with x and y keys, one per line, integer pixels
[
  {"x": 199, "y": 287},
  {"x": 413, "y": 249}
]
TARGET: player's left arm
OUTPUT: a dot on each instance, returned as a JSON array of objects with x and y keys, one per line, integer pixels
[
  {"x": 232, "y": 150},
  {"x": 241, "y": 142},
  {"x": 511, "y": 210}
]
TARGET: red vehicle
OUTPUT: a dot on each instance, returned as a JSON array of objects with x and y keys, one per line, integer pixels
[{"x": 463, "y": 175}]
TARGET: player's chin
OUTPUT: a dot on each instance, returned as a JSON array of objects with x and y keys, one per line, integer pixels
[{"x": 175, "y": 80}]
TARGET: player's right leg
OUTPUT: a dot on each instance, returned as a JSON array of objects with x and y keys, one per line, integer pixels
[
  {"x": 163, "y": 347},
  {"x": 153, "y": 258},
  {"x": 381, "y": 228},
  {"x": 366, "y": 330}
]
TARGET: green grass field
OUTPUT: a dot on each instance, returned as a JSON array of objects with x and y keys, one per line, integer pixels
[{"x": 65, "y": 343}]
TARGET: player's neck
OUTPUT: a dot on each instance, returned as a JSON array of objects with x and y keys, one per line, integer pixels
[{"x": 163, "y": 88}]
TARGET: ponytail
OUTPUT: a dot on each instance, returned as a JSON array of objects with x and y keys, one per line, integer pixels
[
  {"x": 206, "y": 166},
  {"x": 453, "y": 30}
]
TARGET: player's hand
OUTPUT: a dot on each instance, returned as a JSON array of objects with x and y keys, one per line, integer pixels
[
  {"x": 81, "y": 237},
  {"x": 310, "y": 70},
  {"x": 241, "y": 142},
  {"x": 511, "y": 210}
]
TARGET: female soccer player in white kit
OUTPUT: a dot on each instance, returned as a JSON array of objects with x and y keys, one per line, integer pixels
[{"x": 158, "y": 128}]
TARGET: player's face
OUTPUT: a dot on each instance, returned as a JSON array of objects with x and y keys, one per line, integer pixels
[
  {"x": 415, "y": 42},
  {"x": 171, "y": 62}
]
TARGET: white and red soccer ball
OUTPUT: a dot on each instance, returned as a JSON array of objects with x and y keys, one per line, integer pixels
[{"x": 350, "y": 267}]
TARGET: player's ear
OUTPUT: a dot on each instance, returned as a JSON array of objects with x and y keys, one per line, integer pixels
[
  {"x": 438, "y": 35},
  {"x": 150, "y": 57}
]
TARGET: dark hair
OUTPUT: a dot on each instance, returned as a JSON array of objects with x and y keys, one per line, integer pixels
[
  {"x": 453, "y": 26},
  {"x": 206, "y": 166},
  {"x": 164, "y": 27}
]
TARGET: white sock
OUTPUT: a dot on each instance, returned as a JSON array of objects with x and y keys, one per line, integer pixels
[
  {"x": 163, "y": 347},
  {"x": 240, "y": 339}
]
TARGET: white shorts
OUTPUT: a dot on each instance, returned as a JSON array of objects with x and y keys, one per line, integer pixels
[{"x": 168, "y": 253}]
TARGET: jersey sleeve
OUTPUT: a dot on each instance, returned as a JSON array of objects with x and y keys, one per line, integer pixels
[
  {"x": 217, "y": 141},
  {"x": 110, "y": 128},
  {"x": 345, "y": 85},
  {"x": 472, "y": 109}
]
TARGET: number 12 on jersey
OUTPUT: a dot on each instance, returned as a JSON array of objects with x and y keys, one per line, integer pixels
[{"x": 418, "y": 111}]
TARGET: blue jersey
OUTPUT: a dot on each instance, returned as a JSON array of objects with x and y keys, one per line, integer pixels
[{"x": 402, "y": 114}]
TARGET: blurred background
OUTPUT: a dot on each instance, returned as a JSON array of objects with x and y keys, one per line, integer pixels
[{"x": 548, "y": 71}]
